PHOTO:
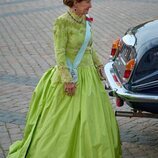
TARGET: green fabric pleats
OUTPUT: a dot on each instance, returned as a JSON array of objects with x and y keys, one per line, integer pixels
[{"x": 61, "y": 126}]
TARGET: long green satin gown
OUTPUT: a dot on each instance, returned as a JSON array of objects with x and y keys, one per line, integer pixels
[{"x": 62, "y": 126}]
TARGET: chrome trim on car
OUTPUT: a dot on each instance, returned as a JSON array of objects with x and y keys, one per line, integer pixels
[
  {"x": 124, "y": 63},
  {"x": 120, "y": 91},
  {"x": 146, "y": 85}
]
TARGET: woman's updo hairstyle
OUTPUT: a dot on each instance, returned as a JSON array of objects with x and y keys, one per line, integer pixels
[{"x": 70, "y": 3}]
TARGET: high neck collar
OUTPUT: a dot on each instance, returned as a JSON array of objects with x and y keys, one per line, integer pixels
[{"x": 76, "y": 17}]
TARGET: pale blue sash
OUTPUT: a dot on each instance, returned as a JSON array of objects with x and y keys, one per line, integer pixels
[{"x": 73, "y": 66}]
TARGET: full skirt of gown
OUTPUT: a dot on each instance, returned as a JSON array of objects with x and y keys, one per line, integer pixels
[{"x": 62, "y": 126}]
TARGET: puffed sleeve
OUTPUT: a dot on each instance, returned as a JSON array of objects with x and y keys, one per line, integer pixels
[{"x": 60, "y": 41}]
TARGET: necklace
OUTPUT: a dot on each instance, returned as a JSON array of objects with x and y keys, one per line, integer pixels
[{"x": 75, "y": 19}]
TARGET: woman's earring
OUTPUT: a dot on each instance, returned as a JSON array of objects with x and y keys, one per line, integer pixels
[{"x": 75, "y": 9}]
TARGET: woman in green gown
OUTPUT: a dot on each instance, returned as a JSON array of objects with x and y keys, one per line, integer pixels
[{"x": 70, "y": 119}]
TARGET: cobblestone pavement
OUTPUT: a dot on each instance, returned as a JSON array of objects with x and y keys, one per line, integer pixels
[{"x": 26, "y": 52}]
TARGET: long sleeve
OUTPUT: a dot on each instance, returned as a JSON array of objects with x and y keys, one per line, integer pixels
[
  {"x": 60, "y": 42},
  {"x": 96, "y": 59}
]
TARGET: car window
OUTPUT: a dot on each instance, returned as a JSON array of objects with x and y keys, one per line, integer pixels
[{"x": 148, "y": 64}]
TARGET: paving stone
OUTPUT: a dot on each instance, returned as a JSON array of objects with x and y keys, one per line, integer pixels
[{"x": 27, "y": 51}]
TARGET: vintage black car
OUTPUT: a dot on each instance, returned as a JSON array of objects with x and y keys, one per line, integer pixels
[{"x": 132, "y": 71}]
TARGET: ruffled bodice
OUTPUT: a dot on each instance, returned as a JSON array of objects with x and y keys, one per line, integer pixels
[{"x": 69, "y": 33}]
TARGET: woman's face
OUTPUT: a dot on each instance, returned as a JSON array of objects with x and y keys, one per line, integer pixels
[{"x": 83, "y": 7}]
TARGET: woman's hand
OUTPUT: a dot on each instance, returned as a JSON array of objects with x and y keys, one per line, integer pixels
[
  {"x": 70, "y": 88},
  {"x": 101, "y": 72}
]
